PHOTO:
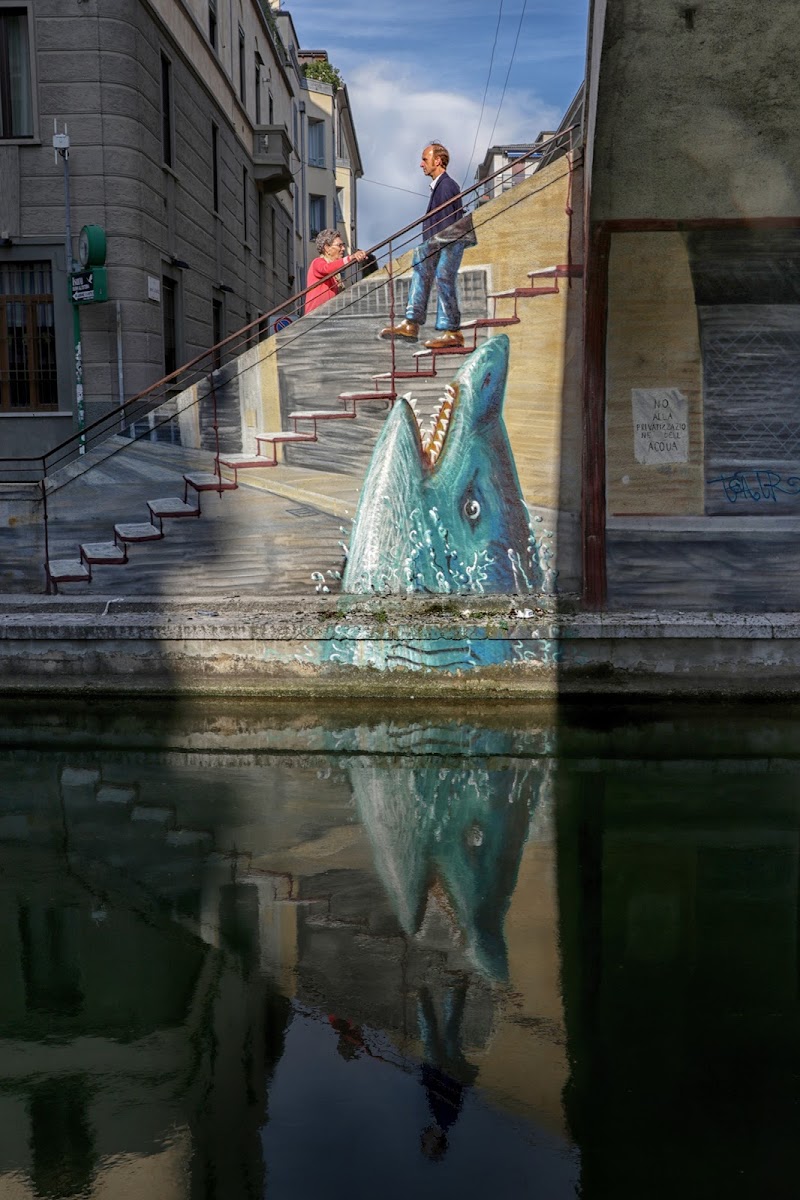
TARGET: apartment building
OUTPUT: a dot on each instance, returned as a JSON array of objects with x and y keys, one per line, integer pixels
[
  {"x": 187, "y": 149},
  {"x": 334, "y": 161}
]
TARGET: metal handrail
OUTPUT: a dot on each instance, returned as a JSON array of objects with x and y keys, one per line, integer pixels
[{"x": 124, "y": 414}]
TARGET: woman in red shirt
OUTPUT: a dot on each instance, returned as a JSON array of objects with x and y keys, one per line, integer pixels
[{"x": 324, "y": 270}]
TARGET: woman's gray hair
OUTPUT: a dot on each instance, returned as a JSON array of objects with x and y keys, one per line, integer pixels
[{"x": 326, "y": 237}]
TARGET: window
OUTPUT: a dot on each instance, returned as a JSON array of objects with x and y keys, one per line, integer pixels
[
  {"x": 260, "y": 198},
  {"x": 242, "y": 76},
  {"x": 272, "y": 235},
  {"x": 270, "y": 110},
  {"x": 338, "y": 205},
  {"x": 166, "y": 111},
  {"x": 170, "y": 323},
  {"x": 212, "y": 23},
  {"x": 16, "y": 95},
  {"x": 316, "y": 214},
  {"x": 316, "y": 143},
  {"x": 245, "y": 197},
  {"x": 259, "y": 65},
  {"x": 215, "y": 165},
  {"x": 216, "y": 332},
  {"x": 289, "y": 259},
  {"x": 27, "y": 338}
]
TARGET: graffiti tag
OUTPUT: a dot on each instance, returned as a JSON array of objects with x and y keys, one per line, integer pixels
[{"x": 756, "y": 485}]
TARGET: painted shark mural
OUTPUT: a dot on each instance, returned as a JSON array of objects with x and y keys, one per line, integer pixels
[
  {"x": 441, "y": 509},
  {"x": 461, "y": 828}
]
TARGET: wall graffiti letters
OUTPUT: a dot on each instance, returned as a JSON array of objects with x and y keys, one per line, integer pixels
[{"x": 756, "y": 484}]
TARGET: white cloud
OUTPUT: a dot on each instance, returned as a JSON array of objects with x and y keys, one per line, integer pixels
[{"x": 397, "y": 113}]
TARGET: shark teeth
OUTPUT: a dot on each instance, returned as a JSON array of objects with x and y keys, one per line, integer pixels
[
  {"x": 432, "y": 433},
  {"x": 440, "y": 423}
]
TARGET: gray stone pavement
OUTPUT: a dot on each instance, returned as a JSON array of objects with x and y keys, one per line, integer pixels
[{"x": 269, "y": 536}]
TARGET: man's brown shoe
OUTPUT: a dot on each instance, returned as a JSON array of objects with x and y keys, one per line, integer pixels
[
  {"x": 448, "y": 339},
  {"x": 406, "y": 329}
]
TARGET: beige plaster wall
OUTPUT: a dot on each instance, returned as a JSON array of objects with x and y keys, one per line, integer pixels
[
  {"x": 531, "y": 1073},
  {"x": 653, "y": 342},
  {"x": 525, "y": 229}
]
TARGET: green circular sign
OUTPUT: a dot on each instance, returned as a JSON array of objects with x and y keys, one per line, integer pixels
[{"x": 92, "y": 246}]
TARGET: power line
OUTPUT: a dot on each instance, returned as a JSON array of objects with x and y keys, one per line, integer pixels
[
  {"x": 485, "y": 91},
  {"x": 508, "y": 72},
  {"x": 393, "y": 186}
]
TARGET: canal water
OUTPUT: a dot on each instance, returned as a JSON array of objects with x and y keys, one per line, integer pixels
[{"x": 250, "y": 952}]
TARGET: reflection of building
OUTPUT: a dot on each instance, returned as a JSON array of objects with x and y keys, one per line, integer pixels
[
  {"x": 678, "y": 895},
  {"x": 163, "y": 959}
]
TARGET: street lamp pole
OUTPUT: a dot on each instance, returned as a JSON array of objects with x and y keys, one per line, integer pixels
[{"x": 61, "y": 148}]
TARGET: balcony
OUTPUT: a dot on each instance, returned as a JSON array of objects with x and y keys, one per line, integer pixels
[{"x": 272, "y": 166}]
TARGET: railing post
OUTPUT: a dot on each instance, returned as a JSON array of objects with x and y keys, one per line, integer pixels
[
  {"x": 215, "y": 425},
  {"x": 393, "y": 350},
  {"x": 43, "y": 487}
]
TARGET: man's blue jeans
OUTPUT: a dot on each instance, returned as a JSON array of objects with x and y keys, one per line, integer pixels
[{"x": 439, "y": 263}]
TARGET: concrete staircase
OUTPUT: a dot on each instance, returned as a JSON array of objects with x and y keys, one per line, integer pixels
[{"x": 339, "y": 347}]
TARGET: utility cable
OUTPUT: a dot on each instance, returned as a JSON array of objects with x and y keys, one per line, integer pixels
[
  {"x": 508, "y": 72},
  {"x": 485, "y": 91}
]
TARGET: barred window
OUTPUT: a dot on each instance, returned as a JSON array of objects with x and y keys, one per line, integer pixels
[
  {"x": 16, "y": 99},
  {"x": 28, "y": 380}
]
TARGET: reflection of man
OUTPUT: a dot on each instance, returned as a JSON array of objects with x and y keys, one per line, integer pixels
[
  {"x": 446, "y": 1073},
  {"x": 439, "y": 258}
]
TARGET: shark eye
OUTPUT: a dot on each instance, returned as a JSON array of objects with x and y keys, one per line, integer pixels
[{"x": 472, "y": 510}]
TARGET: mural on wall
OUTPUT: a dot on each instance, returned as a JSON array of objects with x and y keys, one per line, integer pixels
[{"x": 441, "y": 509}]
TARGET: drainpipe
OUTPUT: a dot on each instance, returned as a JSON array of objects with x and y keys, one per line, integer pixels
[
  {"x": 303, "y": 192},
  {"x": 120, "y": 374}
]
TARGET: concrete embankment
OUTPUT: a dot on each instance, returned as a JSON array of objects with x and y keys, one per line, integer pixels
[{"x": 347, "y": 647}]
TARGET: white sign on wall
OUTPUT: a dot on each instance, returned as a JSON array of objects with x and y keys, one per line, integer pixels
[
  {"x": 660, "y": 425},
  {"x": 153, "y": 288}
]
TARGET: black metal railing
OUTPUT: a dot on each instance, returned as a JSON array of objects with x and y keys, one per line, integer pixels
[{"x": 143, "y": 415}]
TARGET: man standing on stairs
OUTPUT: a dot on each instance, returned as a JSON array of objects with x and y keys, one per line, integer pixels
[{"x": 446, "y": 234}]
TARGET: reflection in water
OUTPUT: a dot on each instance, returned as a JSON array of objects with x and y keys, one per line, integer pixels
[
  {"x": 237, "y": 975},
  {"x": 233, "y": 972}
]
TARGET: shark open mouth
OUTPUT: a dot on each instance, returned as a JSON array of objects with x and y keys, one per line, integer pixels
[{"x": 432, "y": 433}]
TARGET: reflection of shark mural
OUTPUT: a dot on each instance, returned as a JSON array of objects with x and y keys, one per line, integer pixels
[
  {"x": 441, "y": 510},
  {"x": 462, "y": 827}
]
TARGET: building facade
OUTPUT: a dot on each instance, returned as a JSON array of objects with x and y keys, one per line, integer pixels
[{"x": 187, "y": 134}]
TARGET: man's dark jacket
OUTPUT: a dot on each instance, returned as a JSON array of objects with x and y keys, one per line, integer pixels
[{"x": 445, "y": 189}]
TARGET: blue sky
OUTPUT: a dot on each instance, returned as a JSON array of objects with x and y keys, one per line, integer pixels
[{"x": 417, "y": 69}]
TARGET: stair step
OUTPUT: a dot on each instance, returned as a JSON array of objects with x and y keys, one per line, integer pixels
[
  {"x": 284, "y": 435},
  {"x": 172, "y": 506},
  {"x": 151, "y": 814},
  {"x": 522, "y": 293},
  {"x": 141, "y": 531},
  {"x": 323, "y": 414},
  {"x": 109, "y": 793},
  {"x": 204, "y": 481},
  {"x": 367, "y": 395},
  {"x": 97, "y": 553},
  {"x": 241, "y": 462},
  {"x": 198, "y": 839},
  {"x": 405, "y": 375},
  {"x": 562, "y": 271},
  {"x": 68, "y": 570},
  {"x": 489, "y": 323},
  {"x": 450, "y": 350}
]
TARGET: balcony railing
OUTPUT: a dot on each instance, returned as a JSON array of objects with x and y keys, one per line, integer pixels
[{"x": 272, "y": 163}]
